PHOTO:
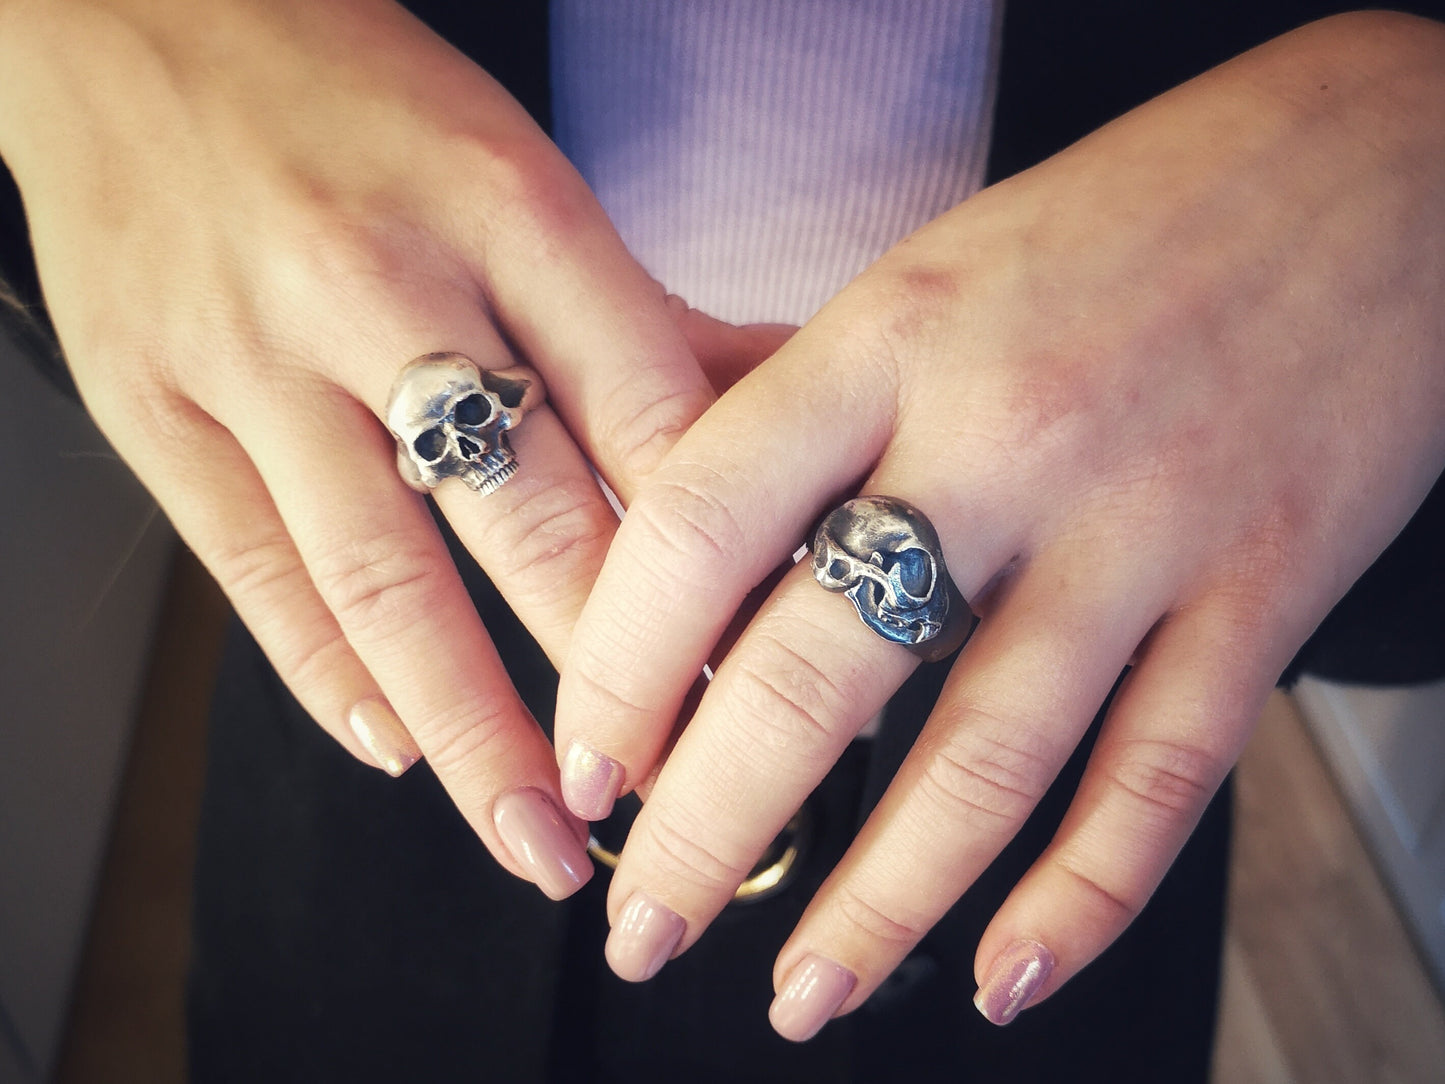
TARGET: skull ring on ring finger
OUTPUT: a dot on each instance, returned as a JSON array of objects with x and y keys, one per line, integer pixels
[
  {"x": 886, "y": 557},
  {"x": 451, "y": 418}
]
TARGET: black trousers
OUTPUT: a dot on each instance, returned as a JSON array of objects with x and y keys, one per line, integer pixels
[{"x": 350, "y": 927}]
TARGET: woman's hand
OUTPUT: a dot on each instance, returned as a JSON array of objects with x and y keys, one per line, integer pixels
[
  {"x": 1164, "y": 398},
  {"x": 248, "y": 216}
]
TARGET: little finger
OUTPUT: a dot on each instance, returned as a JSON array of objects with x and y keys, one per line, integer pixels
[
  {"x": 1177, "y": 726},
  {"x": 222, "y": 510}
]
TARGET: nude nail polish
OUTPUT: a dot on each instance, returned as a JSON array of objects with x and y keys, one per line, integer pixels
[
  {"x": 644, "y": 938},
  {"x": 815, "y": 990},
  {"x": 383, "y": 735},
  {"x": 542, "y": 841},
  {"x": 590, "y": 781},
  {"x": 1016, "y": 976}
]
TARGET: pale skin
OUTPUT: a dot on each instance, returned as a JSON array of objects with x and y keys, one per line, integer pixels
[
  {"x": 1164, "y": 397},
  {"x": 248, "y": 216}
]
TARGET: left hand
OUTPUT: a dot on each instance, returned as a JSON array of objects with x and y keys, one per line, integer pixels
[{"x": 1164, "y": 397}]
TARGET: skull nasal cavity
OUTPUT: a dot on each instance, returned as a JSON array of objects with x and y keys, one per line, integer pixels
[
  {"x": 468, "y": 448},
  {"x": 474, "y": 410}
]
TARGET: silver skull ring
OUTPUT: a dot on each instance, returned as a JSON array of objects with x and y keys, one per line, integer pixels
[
  {"x": 885, "y": 556},
  {"x": 451, "y": 418}
]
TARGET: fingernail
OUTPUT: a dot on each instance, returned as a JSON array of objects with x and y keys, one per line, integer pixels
[
  {"x": 643, "y": 939},
  {"x": 815, "y": 990},
  {"x": 1015, "y": 978},
  {"x": 383, "y": 735},
  {"x": 542, "y": 841},
  {"x": 590, "y": 782}
]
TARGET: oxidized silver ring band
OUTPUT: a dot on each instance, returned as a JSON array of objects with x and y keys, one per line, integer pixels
[
  {"x": 886, "y": 557},
  {"x": 451, "y": 419}
]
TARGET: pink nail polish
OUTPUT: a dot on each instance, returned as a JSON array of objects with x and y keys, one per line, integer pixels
[
  {"x": 645, "y": 936},
  {"x": 815, "y": 990},
  {"x": 542, "y": 841},
  {"x": 383, "y": 735},
  {"x": 590, "y": 781},
  {"x": 1016, "y": 976}
]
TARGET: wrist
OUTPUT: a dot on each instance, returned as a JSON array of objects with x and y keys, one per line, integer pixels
[
  {"x": 1376, "y": 77},
  {"x": 65, "y": 66}
]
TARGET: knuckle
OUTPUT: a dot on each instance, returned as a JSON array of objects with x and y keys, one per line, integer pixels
[
  {"x": 790, "y": 704},
  {"x": 539, "y": 198},
  {"x": 340, "y": 258},
  {"x": 333, "y": 243},
  {"x": 874, "y": 921},
  {"x": 690, "y": 525},
  {"x": 634, "y": 437},
  {"x": 1108, "y": 907},
  {"x": 129, "y": 372},
  {"x": 676, "y": 853},
  {"x": 257, "y": 571},
  {"x": 1170, "y": 780},
  {"x": 923, "y": 302},
  {"x": 462, "y": 743},
  {"x": 972, "y": 776},
  {"x": 595, "y": 679},
  {"x": 1253, "y": 597},
  {"x": 921, "y": 305},
  {"x": 1270, "y": 551},
  {"x": 564, "y": 532},
  {"x": 379, "y": 583},
  {"x": 134, "y": 397},
  {"x": 302, "y": 640},
  {"x": 309, "y": 665}
]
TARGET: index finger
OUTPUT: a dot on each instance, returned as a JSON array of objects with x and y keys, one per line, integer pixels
[{"x": 726, "y": 507}]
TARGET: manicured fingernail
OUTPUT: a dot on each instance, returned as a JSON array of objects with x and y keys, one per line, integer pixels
[
  {"x": 590, "y": 782},
  {"x": 643, "y": 939},
  {"x": 815, "y": 990},
  {"x": 382, "y": 734},
  {"x": 1013, "y": 980},
  {"x": 542, "y": 841}
]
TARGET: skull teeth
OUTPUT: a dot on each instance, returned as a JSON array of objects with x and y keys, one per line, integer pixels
[{"x": 491, "y": 474}]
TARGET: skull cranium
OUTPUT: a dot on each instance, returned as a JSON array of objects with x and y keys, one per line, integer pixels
[
  {"x": 450, "y": 420},
  {"x": 886, "y": 557}
]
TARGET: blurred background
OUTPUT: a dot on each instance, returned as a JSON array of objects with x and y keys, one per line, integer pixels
[{"x": 109, "y": 637}]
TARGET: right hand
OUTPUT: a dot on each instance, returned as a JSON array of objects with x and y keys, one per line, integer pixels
[{"x": 248, "y": 217}]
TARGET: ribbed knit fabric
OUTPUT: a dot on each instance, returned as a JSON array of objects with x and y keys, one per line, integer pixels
[{"x": 757, "y": 154}]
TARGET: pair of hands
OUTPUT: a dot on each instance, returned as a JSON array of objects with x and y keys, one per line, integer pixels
[{"x": 1164, "y": 398}]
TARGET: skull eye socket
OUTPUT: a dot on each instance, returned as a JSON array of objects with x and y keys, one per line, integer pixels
[
  {"x": 837, "y": 569},
  {"x": 474, "y": 410},
  {"x": 914, "y": 570},
  {"x": 431, "y": 445}
]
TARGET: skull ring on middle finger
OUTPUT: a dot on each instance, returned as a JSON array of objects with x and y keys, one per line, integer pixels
[
  {"x": 451, "y": 419},
  {"x": 885, "y": 556}
]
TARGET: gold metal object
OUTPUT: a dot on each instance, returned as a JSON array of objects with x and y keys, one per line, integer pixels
[{"x": 774, "y": 870}]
